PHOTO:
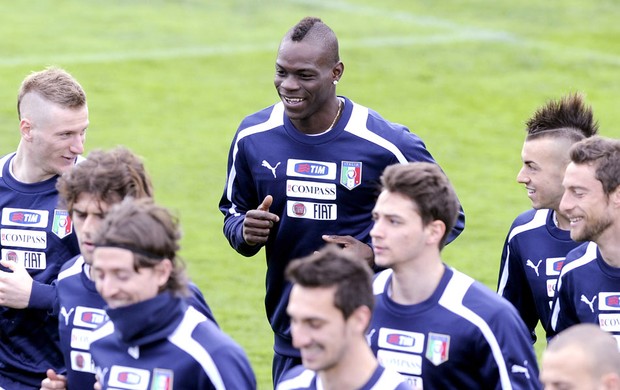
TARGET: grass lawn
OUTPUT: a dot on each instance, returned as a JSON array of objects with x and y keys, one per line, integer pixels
[{"x": 172, "y": 80}]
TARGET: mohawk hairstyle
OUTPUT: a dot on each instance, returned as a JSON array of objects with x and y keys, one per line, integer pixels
[
  {"x": 301, "y": 29},
  {"x": 314, "y": 30},
  {"x": 566, "y": 117}
]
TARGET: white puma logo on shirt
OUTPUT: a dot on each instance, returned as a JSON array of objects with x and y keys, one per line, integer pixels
[
  {"x": 529, "y": 263},
  {"x": 268, "y": 166},
  {"x": 589, "y": 303},
  {"x": 63, "y": 312}
]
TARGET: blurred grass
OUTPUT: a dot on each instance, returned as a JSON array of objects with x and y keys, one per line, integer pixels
[{"x": 172, "y": 79}]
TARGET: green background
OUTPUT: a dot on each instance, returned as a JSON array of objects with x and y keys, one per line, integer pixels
[{"x": 172, "y": 80}]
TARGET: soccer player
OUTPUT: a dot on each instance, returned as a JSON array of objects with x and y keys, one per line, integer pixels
[
  {"x": 330, "y": 306},
  {"x": 154, "y": 338},
  {"x": 303, "y": 172},
  {"x": 539, "y": 239},
  {"x": 437, "y": 326},
  {"x": 581, "y": 357},
  {"x": 88, "y": 191},
  {"x": 588, "y": 289},
  {"x": 37, "y": 235}
]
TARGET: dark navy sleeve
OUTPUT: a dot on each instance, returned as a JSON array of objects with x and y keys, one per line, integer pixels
[
  {"x": 516, "y": 351},
  {"x": 197, "y": 300},
  {"x": 417, "y": 152},
  {"x": 43, "y": 296},
  {"x": 513, "y": 285},
  {"x": 239, "y": 196}
]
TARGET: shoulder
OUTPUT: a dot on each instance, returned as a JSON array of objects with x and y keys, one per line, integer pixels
[
  {"x": 72, "y": 267},
  {"x": 297, "y": 378},
  {"x": 578, "y": 257},
  {"x": 380, "y": 281},
  {"x": 264, "y": 119},
  {"x": 528, "y": 221},
  {"x": 473, "y": 300}
]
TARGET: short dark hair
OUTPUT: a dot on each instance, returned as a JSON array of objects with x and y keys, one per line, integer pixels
[
  {"x": 567, "y": 117},
  {"x": 331, "y": 266},
  {"x": 150, "y": 232},
  {"x": 604, "y": 155},
  {"x": 109, "y": 176},
  {"x": 428, "y": 188},
  {"x": 54, "y": 85},
  {"x": 314, "y": 29}
]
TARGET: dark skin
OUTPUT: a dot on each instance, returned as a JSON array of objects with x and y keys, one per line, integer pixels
[{"x": 304, "y": 80}]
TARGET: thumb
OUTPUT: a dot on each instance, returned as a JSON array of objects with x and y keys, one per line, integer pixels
[
  {"x": 51, "y": 374},
  {"x": 266, "y": 203},
  {"x": 8, "y": 264}
]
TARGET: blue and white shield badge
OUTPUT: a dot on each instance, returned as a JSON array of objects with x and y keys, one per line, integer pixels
[
  {"x": 438, "y": 348},
  {"x": 350, "y": 174}
]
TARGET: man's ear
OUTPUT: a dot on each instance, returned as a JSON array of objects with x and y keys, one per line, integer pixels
[
  {"x": 361, "y": 318},
  {"x": 25, "y": 128},
  {"x": 435, "y": 231},
  {"x": 163, "y": 270}
]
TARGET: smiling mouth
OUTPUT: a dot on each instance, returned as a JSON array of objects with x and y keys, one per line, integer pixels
[{"x": 292, "y": 100}]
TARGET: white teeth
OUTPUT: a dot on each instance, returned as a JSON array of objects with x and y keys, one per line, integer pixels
[{"x": 297, "y": 100}]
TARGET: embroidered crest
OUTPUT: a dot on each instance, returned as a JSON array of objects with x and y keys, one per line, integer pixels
[
  {"x": 62, "y": 225},
  {"x": 162, "y": 379},
  {"x": 437, "y": 348},
  {"x": 350, "y": 174}
]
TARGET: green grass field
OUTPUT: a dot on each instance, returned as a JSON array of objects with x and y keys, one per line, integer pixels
[{"x": 172, "y": 79}]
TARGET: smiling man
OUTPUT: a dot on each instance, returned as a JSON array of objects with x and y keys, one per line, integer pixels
[
  {"x": 304, "y": 172},
  {"x": 589, "y": 286},
  {"x": 330, "y": 307},
  {"x": 154, "y": 339},
  {"x": 539, "y": 239},
  {"x": 37, "y": 235}
]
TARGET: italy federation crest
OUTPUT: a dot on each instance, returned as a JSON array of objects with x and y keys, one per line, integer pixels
[
  {"x": 437, "y": 348},
  {"x": 350, "y": 174},
  {"x": 62, "y": 225}
]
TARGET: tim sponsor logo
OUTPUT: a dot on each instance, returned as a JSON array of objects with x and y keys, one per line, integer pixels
[
  {"x": 311, "y": 169},
  {"x": 309, "y": 189},
  {"x": 311, "y": 210},
  {"x": 29, "y": 259},
  {"x": 401, "y": 340},
  {"x": 402, "y": 362},
  {"x": 24, "y": 217},
  {"x": 609, "y": 301},
  {"x": 609, "y": 322},
  {"x": 23, "y": 238},
  {"x": 129, "y": 378},
  {"x": 88, "y": 317},
  {"x": 553, "y": 265}
]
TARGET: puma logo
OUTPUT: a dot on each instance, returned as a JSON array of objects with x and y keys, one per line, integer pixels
[
  {"x": 65, "y": 314},
  {"x": 369, "y": 336},
  {"x": 517, "y": 369},
  {"x": 589, "y": 303},
  {"x": 268, "y": 166},
  {"x": 530, "y": 264}
]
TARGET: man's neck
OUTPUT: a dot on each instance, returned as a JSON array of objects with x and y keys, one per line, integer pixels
[
  {"x": 25, "y": 171},
  {"x": 415, "y": 281},
  {"x": 560, "y": 220},
  {"x": 353, "y": 371},
  {"x": 609, "y": 246}
]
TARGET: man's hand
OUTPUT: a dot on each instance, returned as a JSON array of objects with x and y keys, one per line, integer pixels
[
  {"x": 16, "y": 286},
  {"x": 258, "y": 223},
  {"x": 353, "y": 246},
  {"x": 53, "y": 381}
]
